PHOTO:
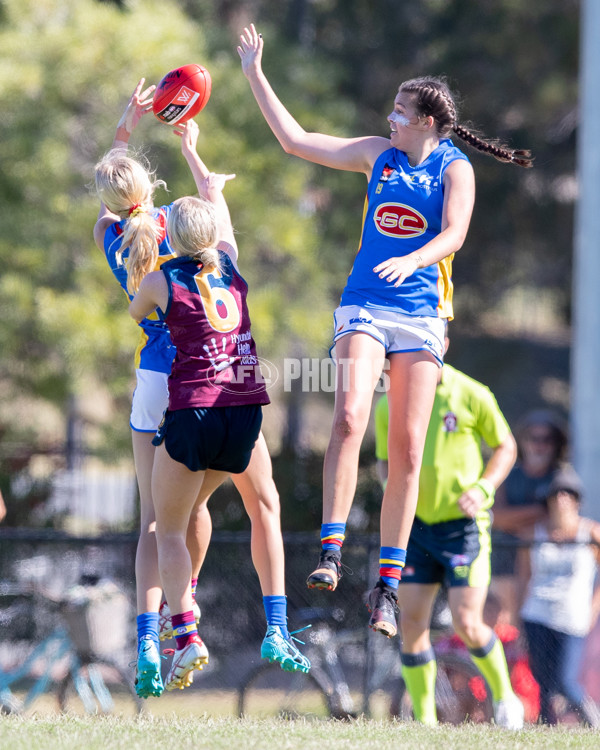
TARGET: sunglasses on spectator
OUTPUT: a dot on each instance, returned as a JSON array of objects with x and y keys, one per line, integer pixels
[{"x": 540, "y": 439}]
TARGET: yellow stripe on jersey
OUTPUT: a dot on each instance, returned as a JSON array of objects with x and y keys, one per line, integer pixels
[
  {"x": 138, "y": 352},
  {"x": 445, "y": 288}
]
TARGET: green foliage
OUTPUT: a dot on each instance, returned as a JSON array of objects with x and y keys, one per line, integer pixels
[
  {"x": 68, "y": 67},
  {"x": 66, "y": 326}
]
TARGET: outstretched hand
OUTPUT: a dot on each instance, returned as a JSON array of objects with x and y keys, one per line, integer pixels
[
  {"x": 139, "y": 104},
  {"x": 250, "y": 49}
]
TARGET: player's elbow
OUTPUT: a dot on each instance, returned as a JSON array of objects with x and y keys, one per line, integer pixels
[
  {"x": 295, "y": 143},
  {"x": 134, "y": 313}
]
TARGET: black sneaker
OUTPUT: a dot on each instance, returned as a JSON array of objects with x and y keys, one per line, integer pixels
[
  {"x": 328, "y": 571},
  {"x": 383, "y": 606}
]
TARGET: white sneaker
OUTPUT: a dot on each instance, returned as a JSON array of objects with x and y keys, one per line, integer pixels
[
  {"x": 165, "y": 626},
  {"x": 509, "y": 713},
  {"x": 181, "y": 674}
]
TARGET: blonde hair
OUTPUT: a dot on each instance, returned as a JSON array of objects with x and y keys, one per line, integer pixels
[
  {"x": 126, "y": 187},
  {"x": 192, "y": 229}
]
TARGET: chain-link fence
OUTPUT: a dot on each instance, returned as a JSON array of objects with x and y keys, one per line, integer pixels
[{"x": 229, "y": 594}]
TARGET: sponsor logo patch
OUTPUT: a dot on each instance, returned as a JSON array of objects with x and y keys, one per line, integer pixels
[
  {"x": 184, "y": 95},
  {"x": 398, "y": 220}
]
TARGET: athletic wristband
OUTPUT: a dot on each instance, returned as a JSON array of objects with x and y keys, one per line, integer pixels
[{"x": 486, "y": 487}]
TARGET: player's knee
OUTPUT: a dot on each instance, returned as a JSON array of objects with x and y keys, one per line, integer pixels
[
  {"x": 469, "y": 627},
  {"x": 348, "y": 425},
  {"x": 405, "y": 458},
  {"x": 412, "y": 625}
]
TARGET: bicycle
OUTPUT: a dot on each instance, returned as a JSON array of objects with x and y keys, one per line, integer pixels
[
  {"x": 69, "y": 662},
  {"x": 326, "y": 691}
]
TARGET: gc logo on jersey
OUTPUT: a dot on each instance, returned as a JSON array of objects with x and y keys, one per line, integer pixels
[{"x": 398, "y": 220}]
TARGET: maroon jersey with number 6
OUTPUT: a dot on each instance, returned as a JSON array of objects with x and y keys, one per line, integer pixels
[{"x": 207, "y": 315}]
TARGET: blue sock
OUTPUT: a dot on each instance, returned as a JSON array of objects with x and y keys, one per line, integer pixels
[
  {"x": 391, "y": 562},
  {"x": 147, "y": 627},
  {"x": 276, "y": 612},
  {"x": 333, "y": 535}
]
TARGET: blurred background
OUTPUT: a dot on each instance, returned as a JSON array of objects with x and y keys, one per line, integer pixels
[
  {"x": 68, "y": 68},
  {"x": 66, "y": 366}
]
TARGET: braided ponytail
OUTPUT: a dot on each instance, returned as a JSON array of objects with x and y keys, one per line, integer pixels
[
  {"x": 500, "y": 151},
  {"x": 433, "y": 98}
]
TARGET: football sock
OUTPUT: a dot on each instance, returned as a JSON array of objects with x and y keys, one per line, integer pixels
[
  {"x": 276, "y": 612},
  {"x": 184, "y": 629},
  {"x": 194, "y": 584},
  {"x": 147, "y": 627},
  {"x": 391, "y": 562},
  {"x": 333, "y": 535},
  {"x": 419, "y": 672},
  {"x": 491, "y": 662}
]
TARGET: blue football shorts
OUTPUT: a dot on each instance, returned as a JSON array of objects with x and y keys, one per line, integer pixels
[
  {"x": 216, "y": 437},
  {"x": 453, "y": 553}
]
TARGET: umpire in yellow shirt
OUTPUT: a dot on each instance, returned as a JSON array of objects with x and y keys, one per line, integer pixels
[{"x": 450, "y": 539}]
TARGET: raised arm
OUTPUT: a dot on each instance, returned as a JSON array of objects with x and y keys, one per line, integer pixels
[
  {"x": 138, "y": 105},
  {"x": 351, "y": 154},
  {"x": 209, "y": 185}
]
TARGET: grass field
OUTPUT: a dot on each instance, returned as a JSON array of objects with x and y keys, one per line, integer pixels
[{"x": 39, "y": 732}]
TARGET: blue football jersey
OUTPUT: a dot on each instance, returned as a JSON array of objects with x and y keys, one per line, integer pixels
[
  {"x": 402, "y": 212},
  {"x": 155, "y": 350}
]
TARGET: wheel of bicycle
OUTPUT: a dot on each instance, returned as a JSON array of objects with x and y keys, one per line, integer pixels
[
  {"x": 269, "y": 692},
  {"x": 99, "y": 687},
  {"x": 461, "y": 693}
]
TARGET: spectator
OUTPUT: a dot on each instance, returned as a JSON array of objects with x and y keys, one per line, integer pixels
[
  {"x": 542, "y": 441},
  {"x": 559, "y": 584},
  {"x": 2, "y": 508}
]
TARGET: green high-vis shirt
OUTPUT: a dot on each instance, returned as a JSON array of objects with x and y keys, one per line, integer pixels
[{"x": 465, "y": 412}]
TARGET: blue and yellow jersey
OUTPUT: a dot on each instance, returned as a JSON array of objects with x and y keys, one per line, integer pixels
[
  {"x": 402, "y": 212},
  {"x": 155, "y": 350},
  {"x": 465, "y": 412}
]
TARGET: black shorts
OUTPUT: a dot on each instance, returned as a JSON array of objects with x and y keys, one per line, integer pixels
[
  {"x": 216, "y": 437},
  {"x": 453, "y": 553}
]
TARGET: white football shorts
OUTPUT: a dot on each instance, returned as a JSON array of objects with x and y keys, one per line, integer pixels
[
  {"x": 396, "y": 331},
  {"x": 150, "y": 399}
]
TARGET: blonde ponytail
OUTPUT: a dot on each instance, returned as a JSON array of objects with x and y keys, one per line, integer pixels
[{"x": 126, "y": 187}]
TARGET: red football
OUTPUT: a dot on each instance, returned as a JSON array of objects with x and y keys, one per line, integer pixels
[{"x": 181, "y": 94}]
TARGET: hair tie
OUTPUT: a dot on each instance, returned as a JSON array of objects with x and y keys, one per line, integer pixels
[{"x": 136, "y": 209}]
